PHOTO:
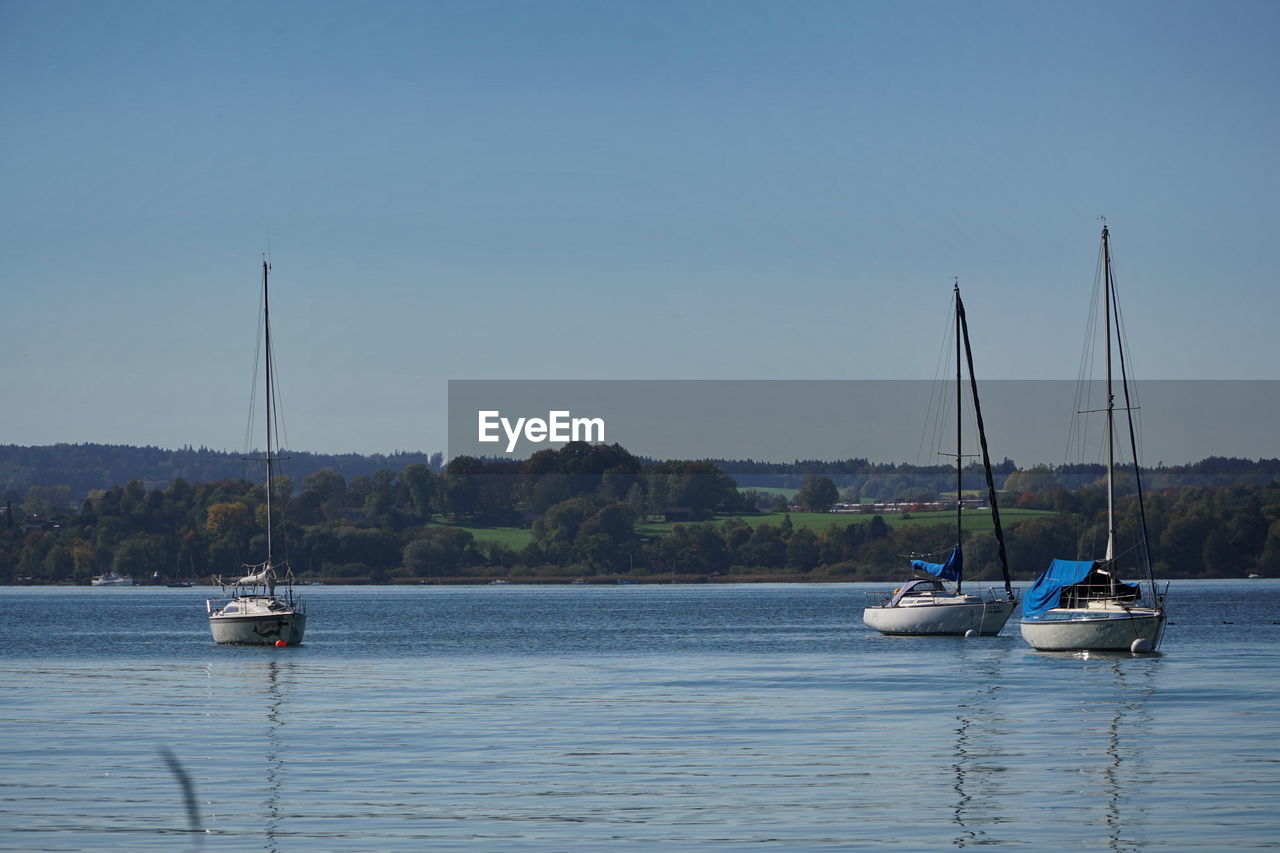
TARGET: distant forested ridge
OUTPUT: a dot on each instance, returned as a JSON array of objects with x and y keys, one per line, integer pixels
[
  {"x": 82, "y": 468},
  {"x": 861, "y": 479},
  {"x": 597, "y": 511},
  {"x": 85, "y": 467}
]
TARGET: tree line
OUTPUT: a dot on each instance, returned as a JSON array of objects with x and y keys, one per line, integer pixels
[
  {"x": 82, "y": 468},
  {"x": 586, "y": 508}
]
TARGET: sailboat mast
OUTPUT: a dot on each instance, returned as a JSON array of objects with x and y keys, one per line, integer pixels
[
  {"x": 1111, "y": 402},
  {"x": 959, "y": 453},
  {"x": 986, "y": 454},
  {"x": 270, "y": 413}
]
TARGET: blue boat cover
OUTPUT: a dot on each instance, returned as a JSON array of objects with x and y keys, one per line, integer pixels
[
  {"x": 1046, "y": 593},
  {"x": 951, "y": 570}
]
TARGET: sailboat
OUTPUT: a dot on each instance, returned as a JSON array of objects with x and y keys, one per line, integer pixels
[
  {"x": 251, "y": 611},
  {"x": 925, "y": 604},
  {"x": 178, "y": 582},
  {"x": 1082, "y": 605}
]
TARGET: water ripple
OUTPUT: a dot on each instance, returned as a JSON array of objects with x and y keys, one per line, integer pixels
[{"x": 654, "y": 718}]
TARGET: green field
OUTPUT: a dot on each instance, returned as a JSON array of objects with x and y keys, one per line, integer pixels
[
  {"x": 977, "y": 519},
  {"x": 514, "y": 538},
  {"x": 772, "y": 490}
]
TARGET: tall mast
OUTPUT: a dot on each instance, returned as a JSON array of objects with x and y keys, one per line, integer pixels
[
  {"x": 986, "y": 455},
  {"x": 270, "y": 415},
  {"x": 959, "y": 454},
  {"x": 1111, "y": 402}
]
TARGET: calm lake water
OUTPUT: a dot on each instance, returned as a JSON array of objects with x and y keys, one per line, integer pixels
[{"x": 636, "y": 717}]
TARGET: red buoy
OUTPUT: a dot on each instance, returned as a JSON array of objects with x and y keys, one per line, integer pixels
[{"x": 281, "y": 643}]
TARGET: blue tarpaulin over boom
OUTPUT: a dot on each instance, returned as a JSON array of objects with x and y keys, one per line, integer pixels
[
  {"x": 1046, "y": 593},
  {"x": 951, "y": 570},
  {"x": 1047, "y": 590}
]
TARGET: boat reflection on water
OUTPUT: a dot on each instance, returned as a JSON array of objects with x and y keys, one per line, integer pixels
[
  {"x": 1126, "y": 768},
  {"x": 982, "y": 753},
  {"x": 250, "y": 809},
  {"x": 1089, "y": 759},
  {"x": 273, "y": 755}
]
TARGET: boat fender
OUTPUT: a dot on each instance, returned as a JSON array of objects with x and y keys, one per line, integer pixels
[
  {"x": 971, "y": 633},
  {"x": 1140, "y": 645}
]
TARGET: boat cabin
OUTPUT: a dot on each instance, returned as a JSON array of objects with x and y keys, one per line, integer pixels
[
  {"x": 917, "y": 589},
  {"x": 256, "y": 605}
]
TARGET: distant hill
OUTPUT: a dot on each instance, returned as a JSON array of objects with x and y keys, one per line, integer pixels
[
  {"x": 84, "y": 467},
  {"x": 100, "y": 466},
  {"x": 883, "y": 480}
]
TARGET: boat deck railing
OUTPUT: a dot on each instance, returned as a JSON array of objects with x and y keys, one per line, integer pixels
[
  {"x": 296, "y": 603},
  {"x": 232, "y": 591},
  {"x": 989, "y": 595}
]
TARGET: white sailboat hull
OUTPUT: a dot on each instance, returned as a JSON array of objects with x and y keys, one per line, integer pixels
[
  {"x": 985, "y": 617},
  {"x": 1094, "y": 630},
  {"x": 259, "y": 631},
  {"x": 257, "y": 621}
]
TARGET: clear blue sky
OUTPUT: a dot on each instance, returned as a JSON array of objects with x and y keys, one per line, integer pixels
[{"x": 560, "y": 190}]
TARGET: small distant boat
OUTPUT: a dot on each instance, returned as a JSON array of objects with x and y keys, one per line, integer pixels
[
  {"x": 1082, "y": 605},
  {"x": 1253, "y": 575},
  {"x": 924, "y": 605},
  {"x": 498, "y": 582},
  {"x": 178, "y": 582},
  {"x": 112, "y": 579},
  {"x": 253, "y": 613}
]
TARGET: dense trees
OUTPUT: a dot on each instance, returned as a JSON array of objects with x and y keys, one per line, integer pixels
[
  {"x": 818, "y": 493},
  {"x": 82, "y": 468},
  {"x": 582, "y": 502},
  {"x": 441, "y": 552},
  {"x": 583, "y": 506}
]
